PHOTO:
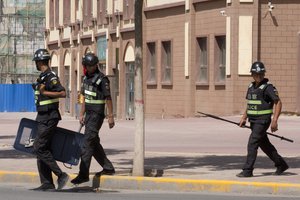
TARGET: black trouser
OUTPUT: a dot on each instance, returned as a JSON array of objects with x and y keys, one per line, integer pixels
[
  {"x": 91, "y": 145},
  {"x": 259, "y": 138},
  {"x": 42, "y": 144}
]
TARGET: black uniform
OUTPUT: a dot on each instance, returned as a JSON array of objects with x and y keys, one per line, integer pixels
[
  {"x": 95, "y": 89},
  {"x": 259, "y": 111},
  {"x": 47, "y": 118}
]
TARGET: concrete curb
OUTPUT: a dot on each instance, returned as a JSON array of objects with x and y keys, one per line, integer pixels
[
  {"x": 167, "y": 184},
  {"x": 186, "y": 185}
]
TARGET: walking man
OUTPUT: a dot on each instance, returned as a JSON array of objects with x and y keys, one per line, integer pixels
[
  {"x": 262, "y": 96},
  {"x": 48, "y": 90},
  {"x": 96, "y": 92}
]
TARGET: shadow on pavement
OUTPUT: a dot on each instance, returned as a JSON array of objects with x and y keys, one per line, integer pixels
[
  {"x": 214, "y": 162},
  {"x": 12, "y": 153},
  {"x": 7, "y": 137}
]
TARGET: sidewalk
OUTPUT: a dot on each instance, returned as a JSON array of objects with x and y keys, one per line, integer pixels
[{"x": 195, "y": 154}]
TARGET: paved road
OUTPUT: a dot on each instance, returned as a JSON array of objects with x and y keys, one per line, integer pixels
[
  {"x": 186, "y": 149},
  {"x": 23, "y": 192}
]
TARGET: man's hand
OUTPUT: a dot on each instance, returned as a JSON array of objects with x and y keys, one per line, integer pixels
[
  {"x": 243, "y": 122},
  {"x": 111, "y": 121},
  {"x": 81, "y": 119},
  {"x": 274, "y": 126},
  {"x": 42, "y": 88}
]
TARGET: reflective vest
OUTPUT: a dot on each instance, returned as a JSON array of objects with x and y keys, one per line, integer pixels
[
  {"x": 45, "y": 103},
  {"x": 94, "y": 99},
  {"x": 257, "y": 106}
]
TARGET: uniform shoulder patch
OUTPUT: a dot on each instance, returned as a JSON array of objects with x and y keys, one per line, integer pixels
[{"x": 54, "y": 80}]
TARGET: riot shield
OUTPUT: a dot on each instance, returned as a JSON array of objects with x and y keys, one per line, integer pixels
[{"x": 65, "y": 145}]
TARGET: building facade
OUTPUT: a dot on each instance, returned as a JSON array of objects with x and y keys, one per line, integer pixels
[{"x": 196, "y": 53}]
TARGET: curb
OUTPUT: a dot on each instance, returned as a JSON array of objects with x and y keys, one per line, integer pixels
[
  {"x": 187, "y": 185},
  {"x": 167, "y": 184}
]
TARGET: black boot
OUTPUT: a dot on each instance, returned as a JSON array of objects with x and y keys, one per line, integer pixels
[
  {"x": 79, "y": 179},
  {"x": 62, "y": 180},
  {"x": 244, "y": 174},
  {"x": 281, "y": 169}
]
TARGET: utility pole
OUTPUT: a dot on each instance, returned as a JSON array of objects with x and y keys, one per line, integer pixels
[{"x": 139, "y": 147}]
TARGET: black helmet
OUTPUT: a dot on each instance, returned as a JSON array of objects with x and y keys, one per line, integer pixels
[
  {"x": 258, "y": 67},
  {"x": 90, "y": 59},
  {"x": 41, "y": 54}
]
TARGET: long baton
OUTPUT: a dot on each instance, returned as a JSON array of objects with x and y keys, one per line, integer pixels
[{"x": 232, "y": 122}]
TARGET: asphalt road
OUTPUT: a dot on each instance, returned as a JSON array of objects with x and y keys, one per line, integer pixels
[
  {"x": 184, "y": 135},
  {"x": 24, "y": 192}
]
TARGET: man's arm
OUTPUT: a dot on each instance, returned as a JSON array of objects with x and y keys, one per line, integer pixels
[
  {"x": 243, "y": 119},
  {"x": 61, "y": 94},
  {"x": 277, "y": 111},
  {"x": 111, "y": 121},
  {"x": 54, "y": 88},
  {"x": 43, "y": 91},
  {"x": 82, "y": 111}
]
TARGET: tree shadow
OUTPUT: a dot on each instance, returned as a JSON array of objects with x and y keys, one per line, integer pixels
[{"x": 213, "y": 162}]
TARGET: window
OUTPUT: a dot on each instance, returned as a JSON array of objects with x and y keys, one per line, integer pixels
[
  {"x": 221, "y": 59},
  {"x": 202, "y": 61},
  {"x": 151, "y": 63},
  {"x": 67, "y": 12},
  {"x": 87, "y": 13},
  {"x": 56, "y": 13},
  {"x": 128, "y": 9},
  {"x": 166, "y": 62},
  {"x": 51, "y": 14},
  {"x": 102, "y": 11}
]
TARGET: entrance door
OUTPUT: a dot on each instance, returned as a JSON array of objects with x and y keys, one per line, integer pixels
[{"x": 130, "y": 90}]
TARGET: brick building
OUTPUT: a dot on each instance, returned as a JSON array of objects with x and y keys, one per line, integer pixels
[{"x": 197, "y": 53}]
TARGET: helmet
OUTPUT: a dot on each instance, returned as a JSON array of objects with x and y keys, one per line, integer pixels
[
  {"x": 89, "y": 59},
  {"x": 41, "y": 54},
  {"x": 258, "y": 67}
]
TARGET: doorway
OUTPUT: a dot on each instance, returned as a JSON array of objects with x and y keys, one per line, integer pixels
[{"x": 130, "y": 114}]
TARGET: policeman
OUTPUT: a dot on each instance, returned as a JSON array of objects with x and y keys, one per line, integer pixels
[
  {"x": 48, "y": 90},
  {"x": 262, "y": 96},
  {"x": 96, "y": 93}
]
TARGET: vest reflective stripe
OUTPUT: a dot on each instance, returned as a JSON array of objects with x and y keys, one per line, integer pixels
[
  {"x": 47, "y": 102},
  {"x": 255, "y": 102},
  {"x": 259, "y": 112},
  {"x": 36, "y": 94},
  {"x": 90, "y": 93},
  {"x": 92, "y": 101}
]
